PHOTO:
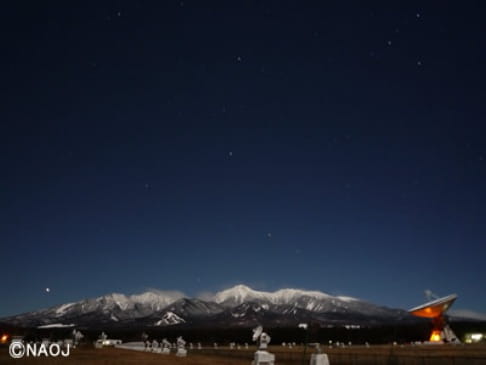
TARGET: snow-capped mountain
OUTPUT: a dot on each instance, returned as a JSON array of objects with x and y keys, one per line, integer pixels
[
  {"x": 242, "y": 293},
  {"x": 313, "y": 301},
  {"x": 105, "y": 309},
  {"x": 236, "y": 306}
]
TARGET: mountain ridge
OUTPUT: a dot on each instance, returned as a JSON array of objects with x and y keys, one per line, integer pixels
[{"x": 236, "y": 306}]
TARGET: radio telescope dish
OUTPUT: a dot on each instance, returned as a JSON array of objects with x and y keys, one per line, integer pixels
[
  {"x": 257, "y": 332},
  {"x": 435, "y": 310}
]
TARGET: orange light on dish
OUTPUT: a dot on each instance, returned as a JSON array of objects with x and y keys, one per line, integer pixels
[
  {"x": 429, "y": 312},
  {"x": 435, "y": 336}
]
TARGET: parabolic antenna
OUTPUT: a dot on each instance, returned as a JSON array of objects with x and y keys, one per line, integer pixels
[{"x": 435, "y": 310}]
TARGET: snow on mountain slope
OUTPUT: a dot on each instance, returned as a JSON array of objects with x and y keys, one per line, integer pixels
[
  {"x": 239, "y": 294},
  {"x": 108, "y": 308},
  {"x": 57, "y": 325},
  {"x": 240, "y": 303},
  {"x": 157, "y": 299},
  {"x": 169, "y": 319},
  {"x": 139, "y": 304},
  {"x": 242, "y": 293},
  {"x": 284, "y": 300},
  {"x": 194, "y": 308},
  {"x": 62, "y": 309},
  {"x": 467, "y": 314}
]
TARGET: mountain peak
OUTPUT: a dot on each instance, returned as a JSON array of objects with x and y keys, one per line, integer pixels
[
  {"x": 239, "y": 294},
  {"x": 156, "y": 299},
  {"x": 242, "y": 293}
]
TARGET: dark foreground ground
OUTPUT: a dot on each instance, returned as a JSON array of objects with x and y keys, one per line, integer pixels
[{"x": 360, "y": 355}]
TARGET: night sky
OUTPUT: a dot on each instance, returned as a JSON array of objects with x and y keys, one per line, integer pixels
[{"x": 194, "y": 145}]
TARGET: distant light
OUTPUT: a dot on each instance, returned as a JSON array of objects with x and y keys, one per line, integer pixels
[
  {"x": 476, "y": 336},
  {"x": 4, "y": 339},
  {"x": 303, "y": 325},
  {"x": 48, "y": 290}
]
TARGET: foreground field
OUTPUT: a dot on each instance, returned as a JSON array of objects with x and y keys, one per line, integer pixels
[
  {"x": 359, "y": 355},
  {"x": 112, "y": 356}
]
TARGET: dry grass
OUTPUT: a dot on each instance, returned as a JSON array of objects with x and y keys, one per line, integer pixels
[
  {"x": 112, "y": 356},
  {"x": 360, "y": 355}
]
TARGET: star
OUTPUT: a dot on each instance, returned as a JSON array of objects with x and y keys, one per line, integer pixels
[
  {"x": 389, "y": 43},
  {"x": 419, "y": 63},
  {"x": 238, "y": 59},
  {"x": 230, "y": 154},
  {"x": 48, "y": 290}
]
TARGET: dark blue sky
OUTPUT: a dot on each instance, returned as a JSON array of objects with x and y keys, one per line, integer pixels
[{"x": 194, "y": 145}]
